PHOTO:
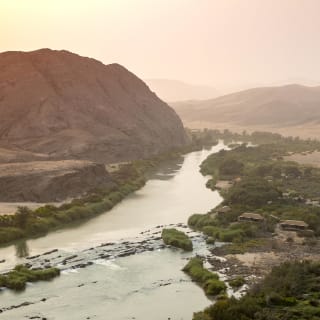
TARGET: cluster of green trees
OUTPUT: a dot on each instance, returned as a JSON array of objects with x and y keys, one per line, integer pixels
[
  {"x": 253, "y": 192},
  {"x": 176, "y": 238},
  {"x": 21, "y": 274},
  {"x": 290, "y": 291},
  {"x": 202, "y": 138},
  {"x": 294, "y": 144},
  {"x": 264, "y": 180}
]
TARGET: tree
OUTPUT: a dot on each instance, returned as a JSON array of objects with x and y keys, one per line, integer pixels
[
  {"x": 22, "y": 215},
  {"x": 231, "y": 167}
]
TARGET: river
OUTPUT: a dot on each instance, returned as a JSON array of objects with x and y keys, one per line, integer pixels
[{"x": 141, "y": 286}]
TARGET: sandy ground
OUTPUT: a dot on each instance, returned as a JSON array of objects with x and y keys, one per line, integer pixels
[
  {"x": 11, "y": 207},
  {"x": 63, "y": 166},
  {"x": 312, "y": 159},
  {"x": 252, "y": 259},
  {"x": 223, "y": 184}
]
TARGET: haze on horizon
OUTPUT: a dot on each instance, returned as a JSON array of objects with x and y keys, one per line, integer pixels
[{"x": 229, "y": 44}]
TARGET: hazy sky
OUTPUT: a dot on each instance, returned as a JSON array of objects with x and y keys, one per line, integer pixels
[{"x": 224, "y": 43}]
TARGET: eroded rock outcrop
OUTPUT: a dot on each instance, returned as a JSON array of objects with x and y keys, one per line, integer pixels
[{"x": 46, "y": 181}]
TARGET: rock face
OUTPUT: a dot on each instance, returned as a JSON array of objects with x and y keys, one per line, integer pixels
[
  {"x": 46, "y": 181},
  {"x": 60, "y": 105}
]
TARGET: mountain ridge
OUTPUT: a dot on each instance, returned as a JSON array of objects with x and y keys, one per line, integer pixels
[
  {"x": 288, "y": 105},
  {"x": 67, "y": 106}
]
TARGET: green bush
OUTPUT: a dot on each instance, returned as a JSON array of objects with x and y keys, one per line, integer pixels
[
  {"x": 237, "y": 282},
  {"x": 177, "y": 239},
  {"x": 20, "y": 275},
  {"x": 214, "y": 287}
]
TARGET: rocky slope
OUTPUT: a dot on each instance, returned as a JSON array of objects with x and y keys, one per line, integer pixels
[
  {"x": 48, "y": 181},
  {"x": 274, "y": 108},
  {"x": 60, "y": 105}
]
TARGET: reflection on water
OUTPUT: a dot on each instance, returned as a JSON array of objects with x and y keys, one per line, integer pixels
[
  {"x": 167, "y": 169},
  {"x": 22, "y": 249}
]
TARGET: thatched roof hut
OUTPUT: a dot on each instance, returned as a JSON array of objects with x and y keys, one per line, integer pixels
[
  {"x": 249, "y": 216},
  {"x": 294, "y": 225}
]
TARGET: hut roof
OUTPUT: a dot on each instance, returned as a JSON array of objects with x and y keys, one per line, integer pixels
[
  {"x": 298, "y": 223},
  {"x": 249, "y": 215}
]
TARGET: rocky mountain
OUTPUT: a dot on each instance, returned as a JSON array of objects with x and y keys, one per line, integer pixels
[
  {"x": 58, "y": 105},
  {"x": 269, "y": 107},
  {"x": 174, "y": 90}
]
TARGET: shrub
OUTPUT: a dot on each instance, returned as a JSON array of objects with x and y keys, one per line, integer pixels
[
  {"x": 177, "y": 239},
  {"x": 237, "y": 282},
  {"x": 20, "y": 275},
  {"x": 214, "y": 287}
]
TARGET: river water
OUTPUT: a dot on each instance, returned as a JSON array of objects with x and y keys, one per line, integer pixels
[{"x": 144, "y": 286}]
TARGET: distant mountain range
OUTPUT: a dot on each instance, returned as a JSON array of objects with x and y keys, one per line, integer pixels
[
  {"x": 59, "y": 105},
  {"x": 265, "y": 108},
  {"x": 173, "y": 90}
]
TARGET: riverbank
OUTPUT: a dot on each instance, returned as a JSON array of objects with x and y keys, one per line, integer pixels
[
  {"x": 30, "y": 223},
  {"x": 125, "y": 179},
  {"x": 269, "y": 217},
  {"x": 129, "y": 286}
]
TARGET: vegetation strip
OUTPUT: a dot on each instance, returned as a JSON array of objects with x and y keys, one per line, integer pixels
[{"x": 209, "y": 281}]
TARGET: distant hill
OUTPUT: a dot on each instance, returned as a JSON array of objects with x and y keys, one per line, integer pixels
[
  {"x": 173, "y": 90},
  {"x": 271, "y": 108},
  {"x": 59, "y": 105}
]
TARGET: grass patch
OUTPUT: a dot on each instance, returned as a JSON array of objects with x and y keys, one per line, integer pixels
[
  {"x": 176, "y": 238},
  {"x": 247, "y": 246},
  {"x": 20, "y": 275}
]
